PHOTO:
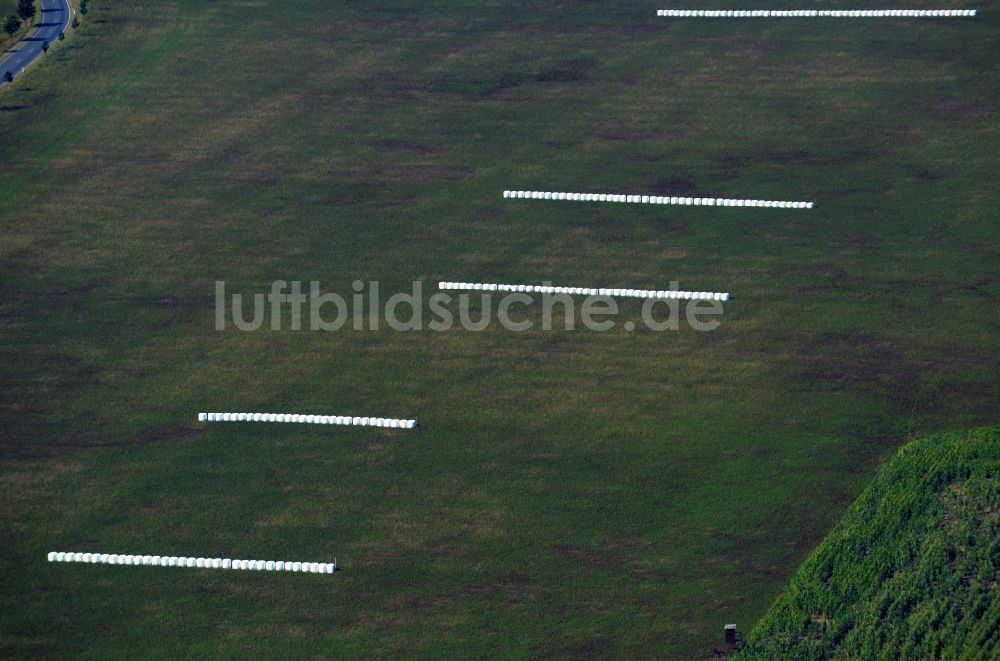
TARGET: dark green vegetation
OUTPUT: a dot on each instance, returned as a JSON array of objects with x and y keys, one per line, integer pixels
[
  {"x": 572, "y": 493},
  {"x": 11, "y": 26},
  {"x": 912, "y": 570}
]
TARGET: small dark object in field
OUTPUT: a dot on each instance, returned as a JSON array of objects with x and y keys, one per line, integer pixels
[{"x": 733, "y": 638}]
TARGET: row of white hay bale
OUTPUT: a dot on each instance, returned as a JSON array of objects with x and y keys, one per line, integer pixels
[
  {"x": 586, "y": 291},
  {"x": 811, "y": 13},
  {"x": 193, "y": 563},
  {"x": 365, "y": 421},
  {"x": 654, "y": 199}
]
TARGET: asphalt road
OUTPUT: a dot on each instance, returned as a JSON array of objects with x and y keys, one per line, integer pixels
[{"x": 53, "y": 18}]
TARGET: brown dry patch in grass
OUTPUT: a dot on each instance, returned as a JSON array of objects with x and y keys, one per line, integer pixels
[
  {"x": 619, "y": 131},
  {"x": 679, "y": 186},
  {"x": 627, "y": 29},
  {"x": 419, "y": 172},
  {"x": 220, "y": 136},
  {"x": 609, "y": 554},
  {"x": 394, "y": 23},
  {"x": 403, "y": 535},
  {"x": 732, "y": 164},
  {"x": 511, "y": 586},
  {"x": 856, "y": 360},
  {"x": 928, "y": 176},
  {"x": 374, "y": 98},
  {"x": 861, "y": 240},
  {"x": 753, "y": 47},
  {"x": 171, "y": 435},
  {"x": 870, "y": 363},
  {"x": 598, "y": 648},
  {"x": 826, "y": 276},
  {"x": 951, "y": 109},
  {"x": 409, "y": 147},
  {"x": 21, "y": 482},
  {"x": 74, "y": 292}
]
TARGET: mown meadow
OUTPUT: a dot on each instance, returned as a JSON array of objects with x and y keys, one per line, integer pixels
[{"x": 571, "y": 493}]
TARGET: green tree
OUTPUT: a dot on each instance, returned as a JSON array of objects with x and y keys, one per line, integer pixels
[
  {"x": 83, "y": 7},
  {"x": 76, "y": 22},
  {"x": 12, "y": 25},
  {"x": 8, "y": 76},
  {"x": 45, "y": 47},
  {"x": 62, "y": 35},
  {"x": 26, "y": 9}
]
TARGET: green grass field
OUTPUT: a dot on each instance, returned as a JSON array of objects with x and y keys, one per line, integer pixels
[
  {"x": 572, "y": 493},
  {"x": 911, "y": 571}
]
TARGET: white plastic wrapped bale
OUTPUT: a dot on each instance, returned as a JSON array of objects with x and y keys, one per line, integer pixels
[
  {"x": 315, "y": 419},
  {"x": 192, "y": 562},
  {"x": 811, "y": 13},
  {"x": 646, "y": 199}
]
